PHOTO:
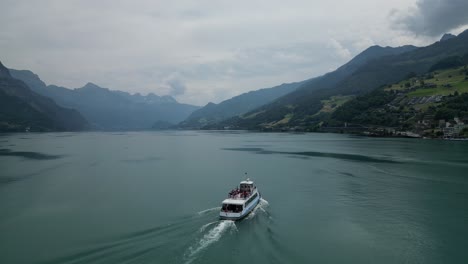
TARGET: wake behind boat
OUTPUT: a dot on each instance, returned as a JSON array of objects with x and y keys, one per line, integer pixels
[{"x": 240, "y": 202}]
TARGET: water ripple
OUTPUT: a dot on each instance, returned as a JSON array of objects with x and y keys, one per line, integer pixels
[
  {"x": 29, "y": 154},
  {"x": 343, "y": 156}
]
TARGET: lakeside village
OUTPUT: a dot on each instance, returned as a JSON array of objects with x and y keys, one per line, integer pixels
[
  {"x": 414, "y": 118},
  {"x": 426, "y": 126},
  {"x": 415, "y": 121},
  {"x": 444, "y": 129},
  {"x": 455, "y": 129},
  {"x": 429, "y": 106}
]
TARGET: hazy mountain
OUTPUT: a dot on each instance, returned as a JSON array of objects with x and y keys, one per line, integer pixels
[
  {"x": 24, "y": 110},
  {"x": 235, "y": 106},
  {"x": 112, "y": 110},
  {"x": 278, "y": 109},
  {"x": 369, "y": 70},
  {"x": 447, "y": 36},
  {"x": 211, "y": 114}
]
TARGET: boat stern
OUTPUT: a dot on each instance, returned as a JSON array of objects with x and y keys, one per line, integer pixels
[{"x": 229, "y": 215}]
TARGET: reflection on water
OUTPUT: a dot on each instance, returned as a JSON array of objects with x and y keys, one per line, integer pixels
[
  {"x": 29, "y": 154},
  {"x": 5, "y": 179},
  {"x": 343, "y": 156},
  {"x": 142, "y": 160}
]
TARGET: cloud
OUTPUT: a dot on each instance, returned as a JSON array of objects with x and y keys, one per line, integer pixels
[
  {"x": 217, "y": 48},
  {"x": 175, "y": 85},
  {"x": 432, "y": 17},
  {"x": 340, "y": 50}
]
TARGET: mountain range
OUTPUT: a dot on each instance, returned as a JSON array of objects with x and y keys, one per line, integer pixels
[
  {"x": 373, "y": 68},
  {"x": 107, "y": 109},
  {"x": 24, "y": 110},
  {"x": 213, "y": 113},
  {"x": 304, "y": 104}
]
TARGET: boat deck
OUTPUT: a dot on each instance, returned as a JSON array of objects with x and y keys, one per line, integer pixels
[{"x": 239, "y": 198}]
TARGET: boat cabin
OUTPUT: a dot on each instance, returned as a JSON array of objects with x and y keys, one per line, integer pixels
[
  {"x": 244, "y": 191},
  {"x": 246, "y": 186}
]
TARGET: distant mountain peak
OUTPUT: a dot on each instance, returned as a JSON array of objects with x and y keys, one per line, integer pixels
[
  {"x": 374, "y": 52},
  {"x": 30, "y": 78},
  {"x": 377, "y": 48},
  {"x": 4, "y": 71},
  {"x": 91, "y": 85},
  {"x": 463, "y": 33},
  {"x": 447, "y": 36},
  {"x": 168, "y": 99},
  {"x": 374, "y": 47}
]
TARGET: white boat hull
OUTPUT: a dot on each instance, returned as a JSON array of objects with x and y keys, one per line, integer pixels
[{"x": 244, "y": 213}]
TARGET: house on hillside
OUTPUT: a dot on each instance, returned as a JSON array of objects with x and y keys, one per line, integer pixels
[
  {"x": 465, "y": 119},
  {"x": 454, "y": 129},
  {"x": 448, "y": 132},
  {"x": 430, "y": 85},
  {"x": 427, "y": 120},
  {"x": 441, "y": 123}
]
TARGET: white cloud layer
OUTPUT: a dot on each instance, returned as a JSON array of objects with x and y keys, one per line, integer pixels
[
  {"x": 432, "y": 17},
  {"x": 198, "y": 50}
]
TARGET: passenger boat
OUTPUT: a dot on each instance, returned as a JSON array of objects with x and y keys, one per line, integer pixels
[{"x": 240, "y": 202}]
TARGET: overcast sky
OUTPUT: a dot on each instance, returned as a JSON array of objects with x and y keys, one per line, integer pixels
[{"x": 200, "y": 51}]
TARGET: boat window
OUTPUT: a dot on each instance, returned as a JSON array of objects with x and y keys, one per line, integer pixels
[
  {"x": 245, "y": 187},
  {"x": 232, "y": 208},
  {"x": 252, "y": 198}
]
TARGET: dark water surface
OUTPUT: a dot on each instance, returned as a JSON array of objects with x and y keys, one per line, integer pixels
[{"x": 154, "y": 198}]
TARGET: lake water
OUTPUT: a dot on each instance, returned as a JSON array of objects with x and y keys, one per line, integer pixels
[{"x": 154, "y": 197}]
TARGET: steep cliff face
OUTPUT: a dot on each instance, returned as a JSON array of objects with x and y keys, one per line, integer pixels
[{"x": 21, "y": 109}]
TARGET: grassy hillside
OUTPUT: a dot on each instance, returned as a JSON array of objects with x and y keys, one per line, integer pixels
[
  {"x": 331, "y": 104},
  {"x": 416, "y": 104},
  {"x": 238, "y": 105},
  {"x": 442, "y": 82},
  {"x": 303, "y": 105}
]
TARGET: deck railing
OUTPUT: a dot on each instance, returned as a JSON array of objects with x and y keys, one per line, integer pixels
[{"x": 240, "y": 196}]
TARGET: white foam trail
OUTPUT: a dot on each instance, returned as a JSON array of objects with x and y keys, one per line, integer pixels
[
  {"x": 261, "y": 206},
  {"x": 209, "y": 238},
  {"x": 209, "y": 210},
  {"x": 205, "y": 226}
]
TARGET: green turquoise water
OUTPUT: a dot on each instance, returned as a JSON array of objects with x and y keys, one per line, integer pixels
[{"x": 153, "y": 197}]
